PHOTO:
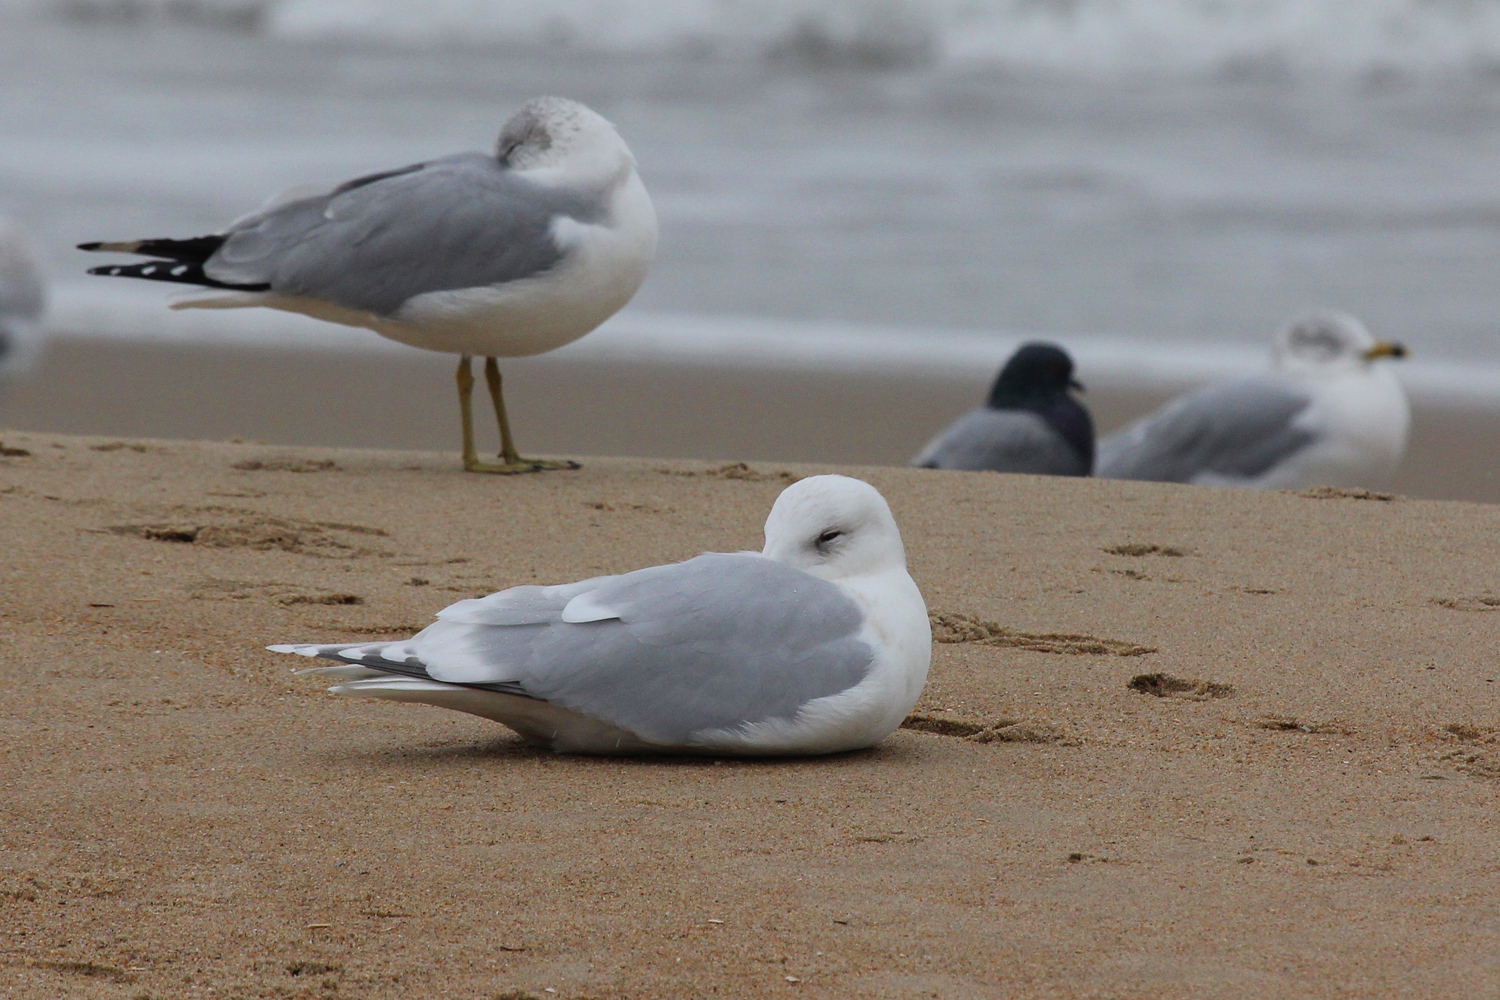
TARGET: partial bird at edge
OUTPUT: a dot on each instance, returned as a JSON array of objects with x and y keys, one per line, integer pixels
[{"x": 23, "y": 299}]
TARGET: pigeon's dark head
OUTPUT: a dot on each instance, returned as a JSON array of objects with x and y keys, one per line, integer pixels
[
  {"x": 1037, "y": 379},
  {"x": 1035, "y": 376}
]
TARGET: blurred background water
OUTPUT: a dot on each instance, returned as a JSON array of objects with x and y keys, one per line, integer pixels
[
  {"x": 1177, "y": 174},
  {"x": 1158, "y": 169}
]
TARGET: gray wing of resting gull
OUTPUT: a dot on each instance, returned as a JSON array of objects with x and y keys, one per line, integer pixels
[
  {"x": 461, "y": 221},
  {"x": 1236, "y": 429},
  {"x": 1003, "y": 441},
  {"x": 712, "y": 643}
]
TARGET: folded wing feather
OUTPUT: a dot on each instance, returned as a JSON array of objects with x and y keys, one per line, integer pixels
[{"x": 709, "y": 643}]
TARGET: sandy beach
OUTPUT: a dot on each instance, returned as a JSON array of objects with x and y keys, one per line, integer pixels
[
  {"x": 1176, "y": 743},
  {"x": 1190, "y": 743},
  {"x": 621, "y": 407}
]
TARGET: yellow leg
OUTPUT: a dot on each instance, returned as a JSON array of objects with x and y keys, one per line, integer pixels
[
  {"x": 466, "y": 411},
  {"x": 511, "y": 461},
  {"x": 508, "y": 453}
]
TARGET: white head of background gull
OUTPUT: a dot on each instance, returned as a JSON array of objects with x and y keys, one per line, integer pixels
[
  {"x": 817, "y": 644},
  {"x": 1031, "y": 423},
  {"x": 1330, "y": 413},
  {"x": 501, "y": 254},
  {"x": 22, "y": 298}
]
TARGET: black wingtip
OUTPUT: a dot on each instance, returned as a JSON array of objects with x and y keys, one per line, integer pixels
[
  {"x": 181, "y": 272},
  {"x": 129, "y": 246},
  {"x": 193, "y": 250}
]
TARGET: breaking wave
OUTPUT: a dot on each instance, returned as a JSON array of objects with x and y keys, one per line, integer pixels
[{"x": 1071, "y": 38}]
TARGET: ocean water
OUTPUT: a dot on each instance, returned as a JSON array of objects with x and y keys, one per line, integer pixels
[
  {"x": 1097, "y": 38},
  {"x": 1168, "y": 173}
]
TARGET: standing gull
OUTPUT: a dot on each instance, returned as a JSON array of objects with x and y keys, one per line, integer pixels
[
  {"x": 818, "y": 643},
  {"x": 1327, "y": 414},
  {"x": 499, "y": 255},
  {"x": 22, "y": 298},
  {"x": 1029, "y": 424}
]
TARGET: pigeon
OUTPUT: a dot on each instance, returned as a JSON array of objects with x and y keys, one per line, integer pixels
[{"x": 1031, "y": 423}]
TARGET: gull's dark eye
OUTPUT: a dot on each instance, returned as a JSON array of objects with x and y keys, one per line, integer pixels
[{"x": 826, "y": 537}]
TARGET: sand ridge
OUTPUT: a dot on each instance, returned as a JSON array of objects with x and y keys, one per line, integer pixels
[{"x": 1287, "y": 782}]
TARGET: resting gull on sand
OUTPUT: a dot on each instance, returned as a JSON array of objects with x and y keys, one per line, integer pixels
[
  {"x": 1328, "y": 414},
  {"x": 1029, "y": 424},
  {"x": 500, "y": 255},
  {"x": 22, "y": 298},
  {"x": 818, "y": 643}
]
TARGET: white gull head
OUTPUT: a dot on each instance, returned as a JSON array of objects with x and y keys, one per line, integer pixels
[
  {"x": 564, "y": 139},
  {"x": 1326, "y": 343},
  {"x": 834, "y": 527}
]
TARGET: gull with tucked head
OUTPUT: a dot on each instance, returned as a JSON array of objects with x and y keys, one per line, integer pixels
[
  {"x": 1329, "y": 413},
  {"x": 817, "y": 644},
  {"x": 501, "y": 254}
]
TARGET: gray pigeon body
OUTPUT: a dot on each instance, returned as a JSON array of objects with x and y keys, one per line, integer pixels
[
  {"x": 1030, "y": 423},
  {"x": 1003, "y": 441}
]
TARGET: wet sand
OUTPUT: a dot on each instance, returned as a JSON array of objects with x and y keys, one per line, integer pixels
[
  {"x": 1303, "y": 804},
  {"x": 405, "y": 399}
]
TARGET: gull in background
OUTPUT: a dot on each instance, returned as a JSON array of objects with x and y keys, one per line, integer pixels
[
  {"x": 1329, "y": 413},
  {"x": 499, "y": 255},
  {"x": 817, "y": 644},
  {"x": 23, "y": 296},
  {"x": 1029, "y": 424}
]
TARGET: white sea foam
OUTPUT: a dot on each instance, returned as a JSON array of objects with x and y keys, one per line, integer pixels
[
  {"x": 222, "y": 13},
  {"x": 1068, "y": 37},
  {"x": 1087, "y": 38}
]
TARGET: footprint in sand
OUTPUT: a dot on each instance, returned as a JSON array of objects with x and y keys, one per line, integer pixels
[
  {"x": 271, "y": 590},
  {"x": 996, "y": 731},
  {"x": 737, "y": 470},
  {"x": 1138, "y": 549},
  {"x": 952, "y": 627},
  {"x": 286, "y": 465},
  {"x": 1479, "y": 602},
  {"x": 1166, "y": 686},
  {"x": 1342, "y": 493},
  {"x": 320, "y": 539}
]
